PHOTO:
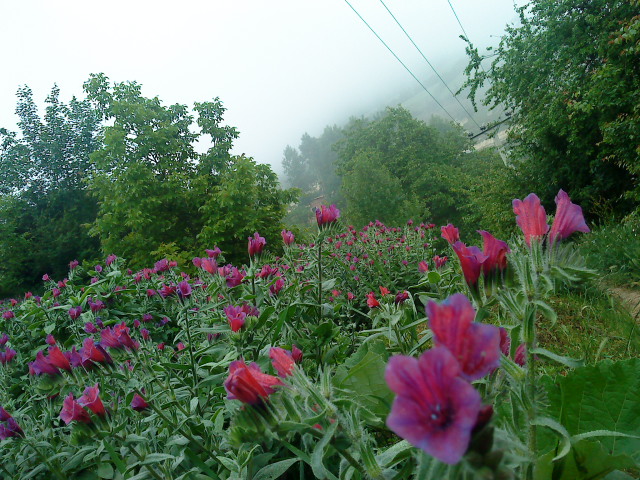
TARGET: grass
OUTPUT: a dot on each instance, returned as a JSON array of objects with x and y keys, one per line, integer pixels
[{"x": 592, "y": 325}]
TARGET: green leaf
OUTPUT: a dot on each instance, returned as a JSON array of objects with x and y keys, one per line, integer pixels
[
  {"x": 156, "y": 458},
  {"x": 105, "y": 470},
  {"x": 275, "y": 470},
  {"x": 434, "y": 277},
  {"x": 600, "y": 397},
  {"x": 569, "y": 362}
]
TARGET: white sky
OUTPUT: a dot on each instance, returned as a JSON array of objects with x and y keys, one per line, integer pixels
[{"x": 281, "y": 67}]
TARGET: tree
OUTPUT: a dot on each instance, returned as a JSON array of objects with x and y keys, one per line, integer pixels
[
  {"x": 157, "y": 195},
  {"x": 570, "y": 74},
  {"x": 44, "y": 205}
]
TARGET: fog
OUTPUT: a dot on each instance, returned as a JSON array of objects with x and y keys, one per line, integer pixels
[{"x": 282, "y": 68}]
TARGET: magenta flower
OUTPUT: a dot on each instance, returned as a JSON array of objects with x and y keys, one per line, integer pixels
[
  {"x": 73, "y": 264},
  {"x": 327, "y": 215},
  {"x": 520, "y": 356},
  {"x": 296, "y": 353},
  {"x": 450, "y": 234},
  {"x": 234, "y": 277},
  {"x": 90, "y": 399},
  {"x": 423, "y": 266},
  {"x": 110, "y": 259},
  {"x": 138, "y": 403},
  {"x": 58, "y": 359},
  {"x": 8, "y": 426},
  {"x": 496, "y": 252},
  {"x": 471, "y": 260},
  {"x": 118, "y": 337},
  {"x": 568, "y": 218},
  {"x": 98, "y": 268},
  {"x": 209, "y": 265},
  {"x": 213, "y": 253},
  {"x": 6, "y": 356},
  {"x": 256, "y": 244},
  {"x": 248, "y": 384},
  {"x": 277, "y": 286},
  {"x": 434, "y": 409},
  {"x": 476, "y": 346},
  {"x": 73, "y": 411},
  {"x": 4, "y": 339},
  {"x": 235, "y": 317},
  {"x": 8, "y": 315},
  {"x": 75, "y": 312},
  {"x": 184, "y": 289},
  {"x": 287, "y": 237},
  {"x": 531, "y": 217},
  {"x": 42, "y": 365},
  {"x": 401, "y": 297}
]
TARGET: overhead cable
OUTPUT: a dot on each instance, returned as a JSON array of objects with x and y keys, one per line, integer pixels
[
  {"x": 401, "y": 62},
  {"x": 429, "y": 63}
]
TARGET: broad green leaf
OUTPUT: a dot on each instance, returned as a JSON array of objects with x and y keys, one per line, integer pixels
[{"x": 275, "y": 470}]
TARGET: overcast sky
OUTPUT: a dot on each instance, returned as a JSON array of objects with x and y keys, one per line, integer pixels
[{"x": 281, "y": 67}]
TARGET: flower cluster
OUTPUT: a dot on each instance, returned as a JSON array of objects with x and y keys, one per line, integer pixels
[
  {"x": 8, "y": 426},
  {"x": 436, "y": 408}
]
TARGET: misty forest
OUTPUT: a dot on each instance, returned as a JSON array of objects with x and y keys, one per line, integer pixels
[{"x": 407, "y": 296}]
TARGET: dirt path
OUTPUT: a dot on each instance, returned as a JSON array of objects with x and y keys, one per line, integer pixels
[{"x": 629, "y": 298}]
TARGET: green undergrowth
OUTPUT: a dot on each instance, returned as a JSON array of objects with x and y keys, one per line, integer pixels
[{"x": 592, "y": 325}]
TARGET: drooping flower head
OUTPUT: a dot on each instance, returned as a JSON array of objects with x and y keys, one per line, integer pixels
[
  {"x": 248, "y": 384},
  {"x": 256, "y": 244},
  {"x": 568, "y": 218},
  {"x": 496, "y": 252},
  {"x": 434, "y": 408},
  {"x": 287, "y": 237},
  {"x": 118, "y": 337},
  {"x": 476, "y": 346},
  {"x": 531, "y": 217},
  {"x": 327, "y": 215},
  {"x": 91, "y": 399},
  {"x": 471, "y": 260},
  {"x": 73, "y": 411},
  {"x": 450, "y": 233}
]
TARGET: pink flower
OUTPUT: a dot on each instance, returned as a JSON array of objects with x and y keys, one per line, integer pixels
[
  {"x": 450, "y": 234},
  {"x": 531, "y": 217},
  {"x": 161, "y": 266},
  {"x": 92, "y": 352},
  {"x": 73, "y": 264},
  {"x": 568, "y": 218},
  {"x": 42, "y": 365},
  {"x": 434, "y": 409},
  {"x": 46, "y": 277},
  {"x": 209, "y": 265},
  {"x": 110, "y": 259},
  {"x": 118, "y": 337},
  {"x": 476, "y": 346},
  {"x": 471, "y": 260},
  {"x": 73, "y": 411},
  {"x": 184, "y": 289},
  {"x": 90, "y": 399},
  {"x": 296, "y": 353},
  {"x": 235, "y": 317},
  {"x": 234, "y": 277},
  {"x": 327, "y": 215},
  {"x": 213, "y": 253},
  {"x": 496, "y": 252},
  {"x": 8, "y": 315},
  {"x": 423, "y": 267},
  {"x": 275, "y": 288},
  {"x": 248, "y": 384},
  {"x": 401, "y": 297},
  {"x": 256, "y": 244},
  {"x": 6, "y": 356},
  {"x": 287, "y": 237},
  {"x": 58, "y": 359},
  {"x": 282, "y": 361}
]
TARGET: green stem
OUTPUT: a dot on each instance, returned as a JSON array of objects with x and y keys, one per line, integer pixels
[
  {"x": 319, "y": 280},
  {"x": 193, "y": 365}
]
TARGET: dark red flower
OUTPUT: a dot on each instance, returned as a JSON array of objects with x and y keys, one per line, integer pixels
[
  {"x": 58, "y": 359},
  {"x": 496, "y": 252},
  {"x": 248, "y": 384},
  {"x": 434, "y": 409},
  {"x": 42, "y": 365},
  {"x": 138, "y": 403},
  {"x": 91, "y": 399},
  {"x": 73, "y": 411}
]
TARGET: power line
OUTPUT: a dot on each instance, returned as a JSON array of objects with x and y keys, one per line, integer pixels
[
  {"x": 429, "y": 63},
  {"x": 487, "y": 129},
  {"x": 463, "y": 30},
  {"x": 401, "y": 62}
]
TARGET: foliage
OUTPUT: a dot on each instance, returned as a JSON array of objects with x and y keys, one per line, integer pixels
[
  {"x": 569, "y": 72},
  {"x": 153, "y": 188},
  {"x": 348, "y": 301},
  {"x": 44, "y": 205},
  {"x": 614, "y": 249}
]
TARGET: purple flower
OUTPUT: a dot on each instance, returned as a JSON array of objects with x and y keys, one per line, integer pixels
[
  {"x": 4, "y": 339},
  {"x": 184, "y": 289},
  {"x": 138, "y": 403},
  {"x": 327, "y": 215},
  {"x": 476, "y": 346},
  {"x": 287, "y": 237},
  {"x": 74, "y": 312},
  {"x": 73, "y": 411},
  {"x": 568, "y": 218},
  {"x": 235, "y": 317},
  {"x": 110, "y": 259},
  {"x": 213, "y": 253},
  {"x": 161, "y": 265},
  {"x": 256, "y": 244},
  {"x": 73, "y": 264},
  {"x": 434, "y": 409},
  {"x": 98, "y": 268},
  {"x": 531, "y": 217},
  {"x": 8, "y": 315},
  {"x": 234, "y": 277},
  {"x": 7, "y": 356}
]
